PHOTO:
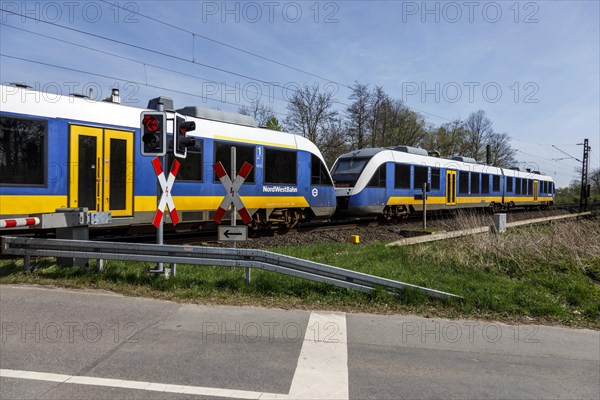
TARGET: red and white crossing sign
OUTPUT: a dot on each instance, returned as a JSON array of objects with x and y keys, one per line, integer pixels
[
  {"x": 232, "y": 196},
  {"x": 166, "y": 185}
]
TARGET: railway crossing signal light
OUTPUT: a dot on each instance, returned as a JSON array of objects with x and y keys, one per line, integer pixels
[
  {"x": 153, "y": 133},
  {"x": 182, "y": 141}
]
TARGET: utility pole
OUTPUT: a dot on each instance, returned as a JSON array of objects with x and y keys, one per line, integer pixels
[{"x": 585, "y": 187}]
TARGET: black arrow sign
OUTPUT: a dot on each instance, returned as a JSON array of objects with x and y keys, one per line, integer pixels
[{"x": 227, "y": 233}]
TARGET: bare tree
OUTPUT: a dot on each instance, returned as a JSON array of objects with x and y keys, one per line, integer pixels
[
  {"x": 595, "y": 182},
  {"x": 478, "y": 127},
  {"x": 408, "y": 126},
  {"x": 333, "y": 140},
  {"x": 447, "y": 139},
  {"x": 309, "y": 114},
  {"x": 260, "y": 112},
  {"x": 358, "y": 115},
  {"x": 378, "y": 103},
  {"x": 392, "y": 123},
  {"x": 502, "y": 154}
]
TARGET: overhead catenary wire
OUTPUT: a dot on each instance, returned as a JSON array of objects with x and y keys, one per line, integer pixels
[
  {"x": 195, "y": 34},
  {"x": 144, "y": 64},
  {"x": 156, "y": 52},
  {"x": 192, "y": 60},
  {"x": 119, "y": 79}
]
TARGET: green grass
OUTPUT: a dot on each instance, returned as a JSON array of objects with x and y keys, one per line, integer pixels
[{"x": 546, "y": 274}]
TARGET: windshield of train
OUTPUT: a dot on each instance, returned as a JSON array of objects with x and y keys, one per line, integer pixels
[{"x": 347, "y": 170}]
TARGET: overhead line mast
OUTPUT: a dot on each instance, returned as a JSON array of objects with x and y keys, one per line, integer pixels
[{"x": 585, "y": 186}]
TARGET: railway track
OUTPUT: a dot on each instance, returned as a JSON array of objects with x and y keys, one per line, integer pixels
[{"x": 336, "y": 230}]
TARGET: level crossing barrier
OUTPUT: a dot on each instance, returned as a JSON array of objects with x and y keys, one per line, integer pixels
[{"x": 18, "y": 222}]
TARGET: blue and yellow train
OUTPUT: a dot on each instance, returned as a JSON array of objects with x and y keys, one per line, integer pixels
[
  {"x": 69, "y": 152},
  {"x": 389, "y": 182}
]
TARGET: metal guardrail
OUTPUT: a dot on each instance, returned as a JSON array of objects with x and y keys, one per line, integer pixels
[{"x": 210, "y": 256}]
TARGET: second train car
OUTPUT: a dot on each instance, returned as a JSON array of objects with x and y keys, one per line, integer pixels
[{"x": 389, "y": 182}]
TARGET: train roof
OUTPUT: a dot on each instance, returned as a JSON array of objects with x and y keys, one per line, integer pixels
[
  {"x": 33, "y": 103},
  {"x": 418, "y": 156}
]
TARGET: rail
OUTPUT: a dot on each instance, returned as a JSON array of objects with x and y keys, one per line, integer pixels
[{"x": 210, "y": 256}]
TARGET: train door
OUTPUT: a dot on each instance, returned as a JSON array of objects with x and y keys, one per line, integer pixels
[
  {"x": 101, "y": 170},
  {"x": 450, "y": 188},
  {"x": 535, "y": 191}
]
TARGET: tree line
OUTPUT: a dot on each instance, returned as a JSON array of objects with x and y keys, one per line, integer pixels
[{"x": 376, "y": 119}]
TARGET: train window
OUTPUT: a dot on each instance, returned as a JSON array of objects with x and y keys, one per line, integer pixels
[
  {"x": 378, "y": 179},
  {"x": 463, "y": 182},
  {"x": 551, "y": 188},
  {"x": 243, "y": 154},
  {"x": 509, "y": 184},
  {"x": 519, "y": 184},
  {"x": 475, "y": 183},
  {"x": 318, "y": 172},
  {"x": 347, "y": 170},
  {"x": 23, "y": 151},
  {"x": 529, "y": 187},
  {"x": 420, "y": 177},
  {"x": 280, "y": 167},
  {"x": 485, "y": 183},
  {"x": 435, "y": 178},
  {"x": 496, "y": 183},
  {"x": 402, "y": 178},
  {"x": 190, "y": 170}
]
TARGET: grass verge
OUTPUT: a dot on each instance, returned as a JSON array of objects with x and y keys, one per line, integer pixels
[{"x": 541, "y": 274}]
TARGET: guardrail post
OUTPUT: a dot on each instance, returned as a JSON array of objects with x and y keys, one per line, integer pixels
[{"x": 77, "y": 229}]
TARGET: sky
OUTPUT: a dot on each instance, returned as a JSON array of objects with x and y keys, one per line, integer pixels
[{"x": 532, "y": 66}]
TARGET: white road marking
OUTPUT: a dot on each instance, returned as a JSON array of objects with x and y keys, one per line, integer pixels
[
  {"x": 139, "y": 385},
  {"x": 321, "y": 373}
]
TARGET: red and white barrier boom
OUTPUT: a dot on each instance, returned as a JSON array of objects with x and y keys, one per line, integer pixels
[
  {"x": 166, "y": 185},
  {"x": 18, "y": 222}
]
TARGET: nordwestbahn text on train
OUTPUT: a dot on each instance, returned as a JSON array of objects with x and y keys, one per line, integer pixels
[{"x": 70, "y": 152}]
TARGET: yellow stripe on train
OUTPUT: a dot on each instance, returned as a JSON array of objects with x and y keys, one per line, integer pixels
[
  {"x": 10, "y": 204},
  {"x": 403, "y": 200},
  {"x": 188, "y": 203}
]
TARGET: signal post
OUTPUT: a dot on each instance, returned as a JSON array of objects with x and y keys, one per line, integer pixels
[{"x": 154, "y": 143}]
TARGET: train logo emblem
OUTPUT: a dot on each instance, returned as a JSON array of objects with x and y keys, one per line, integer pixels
[{"x": 315, "y": 192}]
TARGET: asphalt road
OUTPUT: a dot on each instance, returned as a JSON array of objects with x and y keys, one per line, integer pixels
[{"x": 65, "y": 344}]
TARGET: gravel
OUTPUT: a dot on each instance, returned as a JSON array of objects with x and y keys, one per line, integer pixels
[{"x": 385, "y": 232}]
